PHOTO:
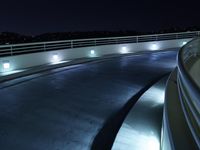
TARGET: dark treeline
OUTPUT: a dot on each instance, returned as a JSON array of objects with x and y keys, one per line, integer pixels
[{"x": 14, "y": 38}]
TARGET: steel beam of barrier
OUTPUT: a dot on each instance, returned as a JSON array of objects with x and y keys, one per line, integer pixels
[{"x": 16, "y": 49}]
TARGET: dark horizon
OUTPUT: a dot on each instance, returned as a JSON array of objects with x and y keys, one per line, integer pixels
[
  {"x": 16, "y": 38},
  {"x": 38, "y": 17},
  {"x": 160, "y": 31}
]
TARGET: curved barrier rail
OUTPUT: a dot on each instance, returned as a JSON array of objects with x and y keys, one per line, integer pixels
[
  {"x": 182, "y": 101},
  {"x": 188, "y": 89},
  {"x": 17, "y": 49}
]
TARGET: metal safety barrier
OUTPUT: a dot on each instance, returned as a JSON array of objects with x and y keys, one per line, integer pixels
[
  {"x": 181, "y": 119},
  {"x": 17, "y": 49},
  {"x": 189, "y": 91}
]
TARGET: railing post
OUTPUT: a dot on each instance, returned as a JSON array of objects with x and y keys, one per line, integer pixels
[
  {"x": 176, "y": 36},
  {"x": 11, "y": 50},
  {"x": 71, "y": 44},
  {"x": 44, "y": 47},
  {"x": 136, "y": 39},
  {"x": 116, "y": 41},
  {"x": 95, "y": 42}
]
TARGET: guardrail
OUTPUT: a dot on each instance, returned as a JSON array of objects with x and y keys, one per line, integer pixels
[
  {"x": 17, "y": 49},
  {"x": 181, "y": 119},
  {"x": 189, "y": 92}
]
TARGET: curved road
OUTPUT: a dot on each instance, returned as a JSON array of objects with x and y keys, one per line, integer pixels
[{"x": 73, "y": 108}]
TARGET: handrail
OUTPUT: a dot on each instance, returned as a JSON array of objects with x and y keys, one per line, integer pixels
[
  {"x": 14, "y": 49},
  {"x": 121, "y": 37},
  {"x": 189, "y": 91}
]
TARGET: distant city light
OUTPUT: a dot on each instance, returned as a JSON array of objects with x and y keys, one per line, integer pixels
[
  {"x": 124, "y": 50},
  {"x": 6, "y": 65},
  {"x": 92, "y": 52},
  {"x": 154, "y": 47}
]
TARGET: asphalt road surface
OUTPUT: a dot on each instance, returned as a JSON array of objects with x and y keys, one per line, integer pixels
[{"x": 76, "y": 108}]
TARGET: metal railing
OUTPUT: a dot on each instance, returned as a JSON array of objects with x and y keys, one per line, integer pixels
[
  {"x": 17, "y": 49},
  {"x": 189, "y": 91}
]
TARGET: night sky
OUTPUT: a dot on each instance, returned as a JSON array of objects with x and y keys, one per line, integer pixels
[{"x": 33, "y": 17}]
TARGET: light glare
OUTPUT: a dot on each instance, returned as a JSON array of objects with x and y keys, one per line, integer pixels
[
  {"x": 153, "y": 144},
  {"x": 92, "y": 52},
  {"x": 124, "y": 50},
  {"x": 144, "y": 139},
  {"x": 55, "y": 58},
  {"x": 154, "y": 47},
  {"x": 184, "y": 43},
  {"x": 6, "y": 65}
]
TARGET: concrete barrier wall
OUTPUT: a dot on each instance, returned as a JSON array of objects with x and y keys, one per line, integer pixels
[{"x": 41, "y": 58}]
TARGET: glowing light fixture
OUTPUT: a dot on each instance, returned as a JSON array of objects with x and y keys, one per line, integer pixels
[
  {"x": 6, "y": 65},
  {"x": 154, "y": 47},
  {"x": 92, "y": 52},
  {"x": 124, "y": 50},
  {"x": 55, "y": 58},
  {"x": 184, "y": 43}
]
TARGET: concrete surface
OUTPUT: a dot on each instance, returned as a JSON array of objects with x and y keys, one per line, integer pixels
[
  {"x": 141, "y": 130},
  {"x": 79, "y": 107}
]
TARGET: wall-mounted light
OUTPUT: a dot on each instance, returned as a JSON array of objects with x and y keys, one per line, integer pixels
[
  {"x": 124, "y": 50},
  {"x": 184, "y": 43},
  {"x": 154, "y": 46},
  {"x": 6, "y": 65},
  {"x": 55, "y": 58},
  {"x": 92, "y": 52}
]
